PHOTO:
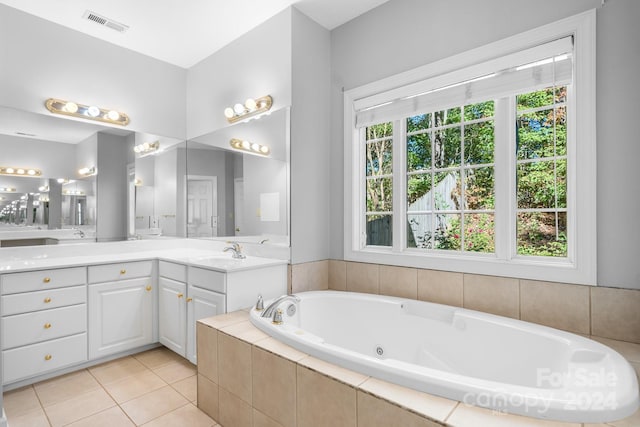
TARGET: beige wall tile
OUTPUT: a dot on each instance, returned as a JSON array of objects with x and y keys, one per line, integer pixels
[
  {"x": 628, "y": 350},
  {"x": 337, "y": 275},
  {"x": 442, "y": 287},
  {"x": 244, "y": 331},
  {"x": 274, "y": 386},
  {"x": 615, "y": 313},
  {"x": 363, "y": 277},
  {"x": 375, "y": 412},
  {"x": 261, "y": 420},
  {"x": 310, "y": 276},
  {"x": 279, "y": 348},
  {"x": 431, "y": 406},
  {"x": 557, "y": 305},
  {"x": 472, "y": 416},
  {"x": 208, "y": 397},
  {"x": 319, "y": 396},
  {"x": 289, "y": 279},
  {"x": 207, "y": 348},
  {"x": 336, "y": 372},
  {"x": 234, "y": 366},
  {"x": 222, "y": 320},
  {"x": 399, "y": 281},
  {"x": 234, "y": 411},
  {"x": 496, "y": 295}
]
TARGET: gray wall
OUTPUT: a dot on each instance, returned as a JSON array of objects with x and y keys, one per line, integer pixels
[
  {"x": 111, "y": 197},
  {"x": 404, "y": 34},
  {"x": 43, "y": 60}
]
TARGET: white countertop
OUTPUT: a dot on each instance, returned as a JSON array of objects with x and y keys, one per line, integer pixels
[{"x": 185, "y": 251}]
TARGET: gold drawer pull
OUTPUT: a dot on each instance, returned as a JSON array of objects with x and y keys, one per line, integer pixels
[
  {"x": 123, "y": 271},
  {"x": 180, "y": 295},
  {"x": 148, "y": 288},
  {"x": 47, "y": 300},
  {"x": 189, "y": 299},
  {"x": 46, "y": 279},
  {"x": 47, "y": 325},
  {"x": 48, "y": 357}
]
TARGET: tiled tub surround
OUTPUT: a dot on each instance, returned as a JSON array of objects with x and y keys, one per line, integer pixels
[
  {"x": 588, "y": 310},
  {"x": 246, "y": 378},
  {"x": 465, "y": 355}
]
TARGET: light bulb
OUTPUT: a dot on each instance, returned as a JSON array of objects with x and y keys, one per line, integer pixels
[
  {"x": 238, "y": 108},
  {"x": 71, "y": 107},
  {"x": 83, "y": 171},
  {"x": 264, "y": 149},
  {"x": 61, "y": 180},
  {"x": 228, "y": 112},
  {"x": 255, "y": 147},
  {"x": 20, "y": 171},
  {"x": 246, "y": 144},
  {"x": 145, "y": 146},
  {"x": 250, "y": 104},
  {"x": 113, "y": 115},
  {"x": 10, "y": 170},
  {"x": 93, "y": 111},
  {"x": 31, "y": 172}
]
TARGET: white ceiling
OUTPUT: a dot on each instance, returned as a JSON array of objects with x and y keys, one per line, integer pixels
[{"x": 184, "y": 32}]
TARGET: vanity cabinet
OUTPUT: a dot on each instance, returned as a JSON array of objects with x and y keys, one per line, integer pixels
[
  {"x": 121, "y": 307},
  {"x": 44, "y": 321},
  {"x": 180, "y": 305}
]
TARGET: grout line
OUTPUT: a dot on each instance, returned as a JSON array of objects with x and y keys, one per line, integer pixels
[{"x": 455, "y": 407}]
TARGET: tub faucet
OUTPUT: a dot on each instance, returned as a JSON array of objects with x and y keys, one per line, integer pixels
[
  {"x": 268, "y": 312},
  {"x": 237, "y": 250}
]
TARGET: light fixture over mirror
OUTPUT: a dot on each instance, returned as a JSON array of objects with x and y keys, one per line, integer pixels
[
  {"x": 87, "y": 171},
  {"x": 90, "y": 112},
  {"x": 250, "y": 108},
  {"x": 250, "y": 147},
  {"x": 19, "y": 171},
  {"x": 147, "y": 147}
]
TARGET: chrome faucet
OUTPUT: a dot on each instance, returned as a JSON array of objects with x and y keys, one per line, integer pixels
[
  {"x": 78, "y": 232},
  {"x": 237, "y": 250},
  {"x": 268, "y": 312}
]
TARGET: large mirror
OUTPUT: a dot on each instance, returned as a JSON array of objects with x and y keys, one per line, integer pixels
[{"x": 237, "y": 183}]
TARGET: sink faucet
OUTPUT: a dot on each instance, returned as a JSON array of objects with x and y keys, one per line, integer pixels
[
  {"x": 237, "y": 250},
  {"x": 78, "y": 232},
  {"x": 268, "y": 312}
]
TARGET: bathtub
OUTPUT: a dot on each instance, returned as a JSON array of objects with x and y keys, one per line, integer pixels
[{"x": 476, "y": 358}]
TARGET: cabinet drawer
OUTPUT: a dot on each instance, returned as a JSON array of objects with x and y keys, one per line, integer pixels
[
  {"x": 170, "y": 270},
  {"x": 36, "y": 359},
  {"x": 43, "y": 300},
  {"x": 207, "y": 279},
  {"x": 29, "y": 328},
  {"x": 42, "y": 279},
  {"x": 120, "y": 271}
]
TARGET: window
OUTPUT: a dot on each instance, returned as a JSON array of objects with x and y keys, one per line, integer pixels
[{"x": 484, "y": 165}]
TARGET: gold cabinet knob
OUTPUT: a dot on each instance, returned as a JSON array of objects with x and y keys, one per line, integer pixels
[
  {"x": 148, "y": 288},
  {"x": 189, "y": 299},
  {"x": 46, "y": 279},
  {"x": 123, "y": 271},
  {"x": 180, "y": 295},
  {"x": 47, "y": 325},
  {"x": 48, "y": 357},
  {"x": 47, "y": 300}
]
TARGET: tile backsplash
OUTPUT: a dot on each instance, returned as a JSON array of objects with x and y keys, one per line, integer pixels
[{"x": 590, "y": 310}]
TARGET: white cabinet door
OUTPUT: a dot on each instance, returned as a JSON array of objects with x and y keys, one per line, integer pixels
[
  {"x": 172, "y": 312},
  {"x": 202, "y": 304},
  {"x": 120, "y": 316}
]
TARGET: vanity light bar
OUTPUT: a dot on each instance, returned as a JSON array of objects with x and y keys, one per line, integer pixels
[
  {"x": 250, "y": 108},
  {"x": 7, "y": 189},
  {"x": 87, "y": 171},
  {"x": 147, "y": 147},
  {"x": 14, "y": 171},
  {"x": 91, "y": 112},
  {"x": 73, "y": 193},
  {"x": 251, "y": 147}
]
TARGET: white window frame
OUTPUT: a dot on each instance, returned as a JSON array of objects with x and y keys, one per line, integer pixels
[{"x": 579, "y": 266}]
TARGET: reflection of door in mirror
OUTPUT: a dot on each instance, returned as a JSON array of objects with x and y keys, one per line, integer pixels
[
  {"x": 238, "y": 203},
  {"x": 202, "y": 206}
]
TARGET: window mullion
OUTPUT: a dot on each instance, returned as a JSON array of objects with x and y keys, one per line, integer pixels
[
  {"x": 399, "y": 184},
  {"x": 505, "y": 187}
]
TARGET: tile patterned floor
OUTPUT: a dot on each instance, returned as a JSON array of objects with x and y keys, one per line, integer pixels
[{"x": 156, "y": 388}]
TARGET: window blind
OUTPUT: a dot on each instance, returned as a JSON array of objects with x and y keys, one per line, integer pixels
[{"x": 528, "y": 70}]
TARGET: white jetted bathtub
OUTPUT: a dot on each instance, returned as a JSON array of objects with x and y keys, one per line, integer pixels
[{"x": 476, "y": 358}]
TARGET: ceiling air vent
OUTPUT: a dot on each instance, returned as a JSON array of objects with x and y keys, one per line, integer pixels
[{"x": 105, "y": 22}]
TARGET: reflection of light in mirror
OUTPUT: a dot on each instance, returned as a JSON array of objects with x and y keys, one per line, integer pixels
[
  {"x": 250, "y": 147},
  {"x": 7, "y": 189},
  {"x": 87, "y": 171},
  {"x": 147, "y": 147},
  {"x": 73, "y": 193},
  {"x": 20, "y": 171}
]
